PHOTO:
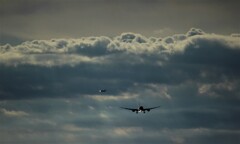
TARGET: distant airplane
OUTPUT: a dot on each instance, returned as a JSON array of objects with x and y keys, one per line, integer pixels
[
  {"x": 102, "y": 90},
  {"x": 140, "y": 109}
]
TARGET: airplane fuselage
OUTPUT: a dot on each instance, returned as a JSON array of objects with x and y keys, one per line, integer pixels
[{"x": 140, "y": 109}]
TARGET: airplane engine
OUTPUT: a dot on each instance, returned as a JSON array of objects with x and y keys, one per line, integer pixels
[{"x": 148, "y": 110}]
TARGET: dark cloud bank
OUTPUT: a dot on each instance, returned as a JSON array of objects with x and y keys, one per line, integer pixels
[{"x": 49, "y": 89}]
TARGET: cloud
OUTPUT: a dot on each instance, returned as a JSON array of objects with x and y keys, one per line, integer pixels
[
  {"x": 194, "y": 32},
  {"x": 127, "y": 131},
  {"x": 12, "y": 113},
  {"x": 118, "y": 63},
  {"x": 124, "y": 96},
  {"x": 75, "y": 51},
  {"x": 235, "y": 35},
  {"x": 53, "y": 86},
  {"x": 218, "y": 89}
]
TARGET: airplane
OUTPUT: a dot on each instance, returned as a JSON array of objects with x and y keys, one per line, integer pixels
[
  {"x": 102, "y": 90},
  {"x": 140, "y": 109}
]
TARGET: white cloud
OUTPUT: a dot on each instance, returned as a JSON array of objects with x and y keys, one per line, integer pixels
[
  {"x": 13, "y": 113},
  {"x": 124, "y": 96},
  {"x": 235, "y": 35},
  {"x": 127, "y": 131},
  {"x": 218, "y": 89},
  {"x": 57, "y": 52},
  {"x": 195, "y": 31}
]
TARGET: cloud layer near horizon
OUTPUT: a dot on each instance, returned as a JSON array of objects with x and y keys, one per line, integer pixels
[
  {"x": 51, "y": 87},
  {"x": 129, "y": 58},
  {"x": 58, "y": 52}
]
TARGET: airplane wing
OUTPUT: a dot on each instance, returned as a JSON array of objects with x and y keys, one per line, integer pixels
[
  {"x": 148, "y": 109},
  {"x": 129, "y": 109}
]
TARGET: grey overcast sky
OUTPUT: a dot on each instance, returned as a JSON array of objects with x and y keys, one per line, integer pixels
[
  {"x": 45, "y": 19},
  {"x": 55, "y": 55}
]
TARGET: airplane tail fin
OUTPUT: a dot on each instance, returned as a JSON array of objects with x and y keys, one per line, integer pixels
[{"x": 139, "y": 104}]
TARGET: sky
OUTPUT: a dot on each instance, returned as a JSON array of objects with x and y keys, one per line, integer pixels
[
  {"x": 183, "y": 55},
  {"x": 23, "y": 20}
]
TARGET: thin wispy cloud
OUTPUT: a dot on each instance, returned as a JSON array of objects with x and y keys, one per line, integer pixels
[{"x": 13, "y": 113}]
